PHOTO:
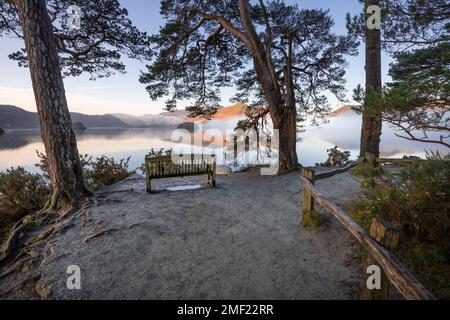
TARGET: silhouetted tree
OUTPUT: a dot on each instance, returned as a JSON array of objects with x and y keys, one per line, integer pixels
[
  {"x": 281, "y": 59},
  {"x": 405, "y": 24},
  {"x": 94, "y": 48}
]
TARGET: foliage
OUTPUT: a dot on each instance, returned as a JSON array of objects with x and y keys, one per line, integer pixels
[
  {"x": 79, "y": 126},
  {"x": 102, "y": 171},
  {"x": 159, "y": 153},
  {"x": 156, "y": 153},
  {"x": 2, "y": 131},
  {"x": 337, "y": 158},
  {"x": 106, "y": 33},
  {"x": 418, "y": 201},
  {"x": 21, "y": 193},
  {"x": 313, "y": 221},
  {"x": 106, "y": 171},
  {"x": 416, "y": 34},
  {"x": 205, "y": 46},
  {"x": 408, "y": 23},
  {"x": 436, "y": 155}
]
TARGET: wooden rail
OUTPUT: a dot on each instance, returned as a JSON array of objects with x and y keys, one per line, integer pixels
[
  {"x": 394, "y": 270},
  {"x": 330, "y": 174},
  {"x": 398, "y": 161}
]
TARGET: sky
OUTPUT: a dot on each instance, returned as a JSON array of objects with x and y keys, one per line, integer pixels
[{"x": 122, "y": 93}]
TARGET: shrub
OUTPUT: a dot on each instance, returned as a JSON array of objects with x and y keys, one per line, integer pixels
[
  {"x": 106, "y": 171},
  {"x": 156, "y": 153},
  {"x": 100, "y": 172},
  {"x": 418, "y": 201},
  {"x": 436, "y": 155},
  {"x": 368, "y": 173},
  {"x": 21, "y": 193},
  {"x": 337, "y": 158}
]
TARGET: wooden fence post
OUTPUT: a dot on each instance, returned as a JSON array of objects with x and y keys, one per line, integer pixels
[
  {"x": 388, "y": 236},
  {"x": 371, "y": 160},
  {"x": 308, "y": 201}
]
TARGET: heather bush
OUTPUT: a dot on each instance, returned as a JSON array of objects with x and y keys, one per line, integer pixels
[
  {"x": 337, "y": 158},
  {"x": 99, "y": 172},
  {"x": 418, "y": 201},
  {"x": 21, "y": 193}
]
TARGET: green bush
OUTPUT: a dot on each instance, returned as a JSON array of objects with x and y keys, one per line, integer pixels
[
  {"x": 156, "y": 153},
  {"x": 21, "y": 193},
  {"x": 368, "y": 173},
  {"x": 105, "y": 171},
  {"x": 102, "y": 171},
  {"x": 337, "y": 158},
  {"x": 418, "y": 201}
]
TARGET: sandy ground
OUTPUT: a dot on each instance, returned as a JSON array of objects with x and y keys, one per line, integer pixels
[{"x": 241, "y": 240}]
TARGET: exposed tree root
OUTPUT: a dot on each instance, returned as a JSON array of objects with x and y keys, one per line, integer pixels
[
  {"x": 22, "y": 250},
  {"x": 107, "y": 231}
]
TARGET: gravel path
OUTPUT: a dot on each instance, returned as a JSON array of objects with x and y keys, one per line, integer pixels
[{"x": 241, "y": 240}]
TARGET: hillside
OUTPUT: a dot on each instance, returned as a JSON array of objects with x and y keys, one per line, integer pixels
[
  {"x": 345, "y": 110},
  {"x": 227, "y": 113},
  {"x": 12, "y": 117}
]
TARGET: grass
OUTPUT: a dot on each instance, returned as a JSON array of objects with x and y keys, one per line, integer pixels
[{"x": 313, "y": 221}]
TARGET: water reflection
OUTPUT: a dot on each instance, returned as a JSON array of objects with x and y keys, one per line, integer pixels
[{"x": 18, "y": 148}]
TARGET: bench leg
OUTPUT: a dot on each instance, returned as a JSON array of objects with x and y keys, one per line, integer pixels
[
  {"x": 149, "y": 185},
  {"x": 211, "y": 180}
]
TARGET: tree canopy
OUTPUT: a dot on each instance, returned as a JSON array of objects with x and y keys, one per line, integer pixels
[
  {"x": 416, "y": 103},
  {"x": 96, "y": 48},
  {"x": 408, "y": 24},
  {"x": 206, "y": 45}
]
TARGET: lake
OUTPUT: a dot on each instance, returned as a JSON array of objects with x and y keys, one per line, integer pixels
[{"x": 18, "y": 147}]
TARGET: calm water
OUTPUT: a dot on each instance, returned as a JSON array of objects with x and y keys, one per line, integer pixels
[{"x": 18, "y": 148}]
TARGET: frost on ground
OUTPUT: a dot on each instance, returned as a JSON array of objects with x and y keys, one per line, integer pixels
[{"x": 241, "y": 240}]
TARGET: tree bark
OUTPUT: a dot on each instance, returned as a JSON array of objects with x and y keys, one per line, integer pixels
[
  {"x": 282, "y": 110},
  {"x": 372, "y": 122},
  {"x": 56, "y": 125}
]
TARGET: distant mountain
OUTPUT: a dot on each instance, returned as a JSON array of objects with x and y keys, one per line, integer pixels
[
  {"x": 235, "y": 111},
  {"x": 345, "y": 110},
  {"x": 12, "y": 117},
  {"x": 227, "y": 113},
  {"x": 163, "y": 119}
]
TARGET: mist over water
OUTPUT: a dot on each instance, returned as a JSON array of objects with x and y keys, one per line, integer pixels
[{"x": 18, "y": 147}]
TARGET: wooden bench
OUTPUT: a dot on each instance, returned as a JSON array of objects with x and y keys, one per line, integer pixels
[{"x": 191, "y": 165}]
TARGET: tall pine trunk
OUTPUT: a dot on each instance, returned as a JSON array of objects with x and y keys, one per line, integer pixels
[
  {"x": 372, "y": 122},
  {"x": 282, "y": 109},
  {"x": 286, "y": 124},
  {"x": 284, "y": 117},
  {"x": 56, "y": 125}
]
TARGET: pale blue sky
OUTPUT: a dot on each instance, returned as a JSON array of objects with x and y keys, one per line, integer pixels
[{"x": 123, "y": 93}]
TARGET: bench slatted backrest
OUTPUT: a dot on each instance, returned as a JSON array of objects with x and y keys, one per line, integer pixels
[{"x": 165, "y": 167}]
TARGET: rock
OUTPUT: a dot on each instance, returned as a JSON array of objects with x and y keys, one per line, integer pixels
[
  {"x": 78, "y": 126},
  {"x": 189, "y": 126}
]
